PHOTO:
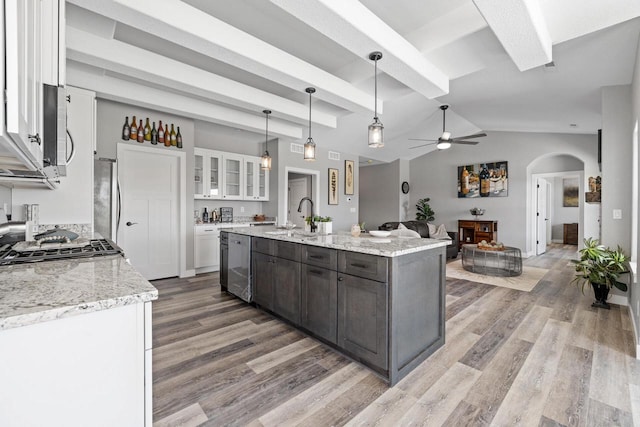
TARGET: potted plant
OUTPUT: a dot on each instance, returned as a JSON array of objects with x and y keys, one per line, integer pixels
[
  {"x": 425, "y": 213},
  {"x": 324, "y": 223},
  {"x": 601, "y": 267}
]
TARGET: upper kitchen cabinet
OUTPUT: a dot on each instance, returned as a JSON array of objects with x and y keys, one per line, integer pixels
[
  {"x": 229, "y": 176},
  {"x": 207, "y": 174},
  {"x": 233, "y": 177},
  {"x": 256, "y": 180},
  {"x": 33, "y": 51}
]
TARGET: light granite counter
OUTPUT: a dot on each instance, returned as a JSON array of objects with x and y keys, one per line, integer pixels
[
  {"x": 43, "y": 291},
  {"x": 365, "y": 243}
]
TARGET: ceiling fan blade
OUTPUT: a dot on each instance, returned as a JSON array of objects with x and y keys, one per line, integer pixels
[
  {"x": 420, "y": 139},
  {"x": 476, "y": 135},
  {"x": 422, "y": 145},
  {"x": 455, "y": 141}
]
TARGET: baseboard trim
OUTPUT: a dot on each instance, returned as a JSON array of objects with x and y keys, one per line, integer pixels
[
  {"x": 635, "y": 332},
  {"x": 188, "y": 273},
  {"x": 618, "y": 299}
]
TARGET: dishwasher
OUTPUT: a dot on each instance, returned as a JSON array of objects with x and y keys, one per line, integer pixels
[{"x": 237, "y": 273}]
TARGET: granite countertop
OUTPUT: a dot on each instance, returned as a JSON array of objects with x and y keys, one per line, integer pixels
[
  {"x": 388, "y": 246},
  {"x": 235, "y": 223},
  {"x": 42, "y": 291}
]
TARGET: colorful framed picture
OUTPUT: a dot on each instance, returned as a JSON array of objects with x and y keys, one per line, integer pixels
[
  {"x": 489, "y": 179},
  {"x": 333, "y": 186},
  {"x": 348, "y": 177}
]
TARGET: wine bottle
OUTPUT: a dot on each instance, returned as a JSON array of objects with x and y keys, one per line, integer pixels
[
  {"x": 205, "y": 215},
  {"x": 160, "y": 133},
  {"x": 133, "y": 132},
  {"x": 464, "y": 181},
  {"x": 167, "y": 136},
  {"x": 154, "y": 134},
  {"x": 147, "y": 131},
  {"x": 485, "y": 183},
  {"x": 179, "y": 138},
  {"x": 174, "y": 141},
  {"x": 140, "y": 132},
  {"x": 126, "y": 130}
]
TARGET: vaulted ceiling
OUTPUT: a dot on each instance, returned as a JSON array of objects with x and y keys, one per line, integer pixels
[{"x": 225, "y": 61}]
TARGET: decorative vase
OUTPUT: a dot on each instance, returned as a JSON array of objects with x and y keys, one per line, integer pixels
[
  {"x": 325, "y": 227},
  {"x": 601, "y": 293}
]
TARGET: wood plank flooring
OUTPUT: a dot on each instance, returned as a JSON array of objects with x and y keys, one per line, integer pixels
[{"x": 539, "y": 358}]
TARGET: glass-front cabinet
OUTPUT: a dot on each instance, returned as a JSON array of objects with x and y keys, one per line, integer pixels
[
  {"x": 207, "y": 174},
  {"x": 256, "y": 180},
  {"x": 229, "y": 176},
  {"x": 233, "y": 177}
]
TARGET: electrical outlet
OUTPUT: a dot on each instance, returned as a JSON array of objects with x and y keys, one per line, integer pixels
[
  {"x": 241, "y": 208},
  {"x": 617, "y": 214}
]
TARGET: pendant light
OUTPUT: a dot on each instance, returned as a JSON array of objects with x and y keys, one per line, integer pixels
[
  {"x": 310, "y": 146},
  {"x": 375, "y": 128},
  {"x": 265, "y": 160}
]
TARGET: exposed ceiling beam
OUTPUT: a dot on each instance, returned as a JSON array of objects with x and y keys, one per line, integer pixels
[
  {"x": 352, "y": 25},
  {"x": 203, "y": 33},
  {"x": 125, "y": 59},
  {"x": 132, "y": 93},
  {"x": 521, "y": 28}
]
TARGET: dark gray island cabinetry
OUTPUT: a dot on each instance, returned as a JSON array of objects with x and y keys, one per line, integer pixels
[{"x": 380, "y": 302}]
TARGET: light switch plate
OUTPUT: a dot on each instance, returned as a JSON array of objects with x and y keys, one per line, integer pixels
[
  {"x": 617, "y": 214},
  {"x": 352, "y": 210}
]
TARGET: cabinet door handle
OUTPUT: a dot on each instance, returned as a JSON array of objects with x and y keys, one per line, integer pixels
[
  {"x": 340, "y": 279},
  {"x": 316, "y": 257},
  {"x": 358, "y": 265},
  {"x": 315, "y": 272}
]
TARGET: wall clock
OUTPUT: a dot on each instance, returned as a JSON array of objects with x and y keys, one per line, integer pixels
[{"x": 405, "y": 187}]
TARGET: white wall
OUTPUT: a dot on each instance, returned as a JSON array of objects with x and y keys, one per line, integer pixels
[
  {"x": 435, "y": 175},
  {"x": 341, "y": 213},
  {"x": 72, "y": 201},
  {"x": 617, "y": 128},
  {"x": 634, "y": 292}
]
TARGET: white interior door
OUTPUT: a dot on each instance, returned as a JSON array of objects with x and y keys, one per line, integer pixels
[
  {"x": 148, "y": 232},
  {"x": 298, "y": 189},
  {"x": 542, "y": 216}
]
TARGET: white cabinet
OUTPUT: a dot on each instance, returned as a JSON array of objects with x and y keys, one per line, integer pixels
[
  {"x": 233, "y": 177},
  {"x": 207, "y": 247},
  {"x": 229, "y": 176},
  {"x": 207, "y": 174},
  {"x": 34, "y": 53},
  {"x": 256, "y": 180},
  {"x": 87, "y": 369}
]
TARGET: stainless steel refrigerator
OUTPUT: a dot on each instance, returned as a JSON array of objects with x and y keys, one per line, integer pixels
[{"x": 106, "y": 198}]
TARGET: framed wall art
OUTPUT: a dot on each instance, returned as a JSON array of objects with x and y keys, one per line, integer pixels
[
  {"x": 489, "y": 179},
  {"x": 570, "y": 189},
  {"x": 348, "y": 177},
  {"x": 333, "y": 186}
]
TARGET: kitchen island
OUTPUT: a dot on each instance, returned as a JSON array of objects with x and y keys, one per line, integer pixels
[
  {"x": 75, "y": 340},
  {"x": 380, "y": 301}
]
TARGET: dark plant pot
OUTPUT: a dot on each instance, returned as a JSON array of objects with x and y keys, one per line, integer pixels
[{"x": 602, "y": 293}]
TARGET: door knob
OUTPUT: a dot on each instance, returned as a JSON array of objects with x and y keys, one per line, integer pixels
[{"x": 129, "y": 223}]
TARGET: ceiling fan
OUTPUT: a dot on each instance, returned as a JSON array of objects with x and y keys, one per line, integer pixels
[{"x": 446, "y": 140}]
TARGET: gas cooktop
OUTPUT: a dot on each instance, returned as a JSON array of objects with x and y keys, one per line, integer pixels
[{"x": 94, "y": 248}]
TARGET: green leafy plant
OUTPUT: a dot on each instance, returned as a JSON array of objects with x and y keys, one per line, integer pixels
[
  {"x": 425, "y": 213},
  {"x": 318, "y": 219},
  {"x": 601, "y": 265}
]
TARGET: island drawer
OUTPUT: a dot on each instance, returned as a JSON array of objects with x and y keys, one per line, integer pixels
[
  {"x": 287, "y": 250},
  {"x": 363, "y": 265},
  {"x": 262, "y": 245},
  {"x": 321, "y": 257}
]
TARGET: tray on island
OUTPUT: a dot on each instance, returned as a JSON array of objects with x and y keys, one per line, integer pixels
[{"x": 489, "y": 248}]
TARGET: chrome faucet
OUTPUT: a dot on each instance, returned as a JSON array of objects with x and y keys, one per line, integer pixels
[{"x": 312, "y": 224}]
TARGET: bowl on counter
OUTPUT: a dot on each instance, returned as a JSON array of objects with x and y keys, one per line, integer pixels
[
  {"x": 259, "y": 218},
  {"x": 379, "y": 233}
]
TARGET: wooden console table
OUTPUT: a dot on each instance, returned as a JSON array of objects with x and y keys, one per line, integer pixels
[
  {"x": 570, "y": 235},
  {"x": 474, "y": 231}
]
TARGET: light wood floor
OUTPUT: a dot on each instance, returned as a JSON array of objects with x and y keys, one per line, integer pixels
[{"x": 539, "y": 358}]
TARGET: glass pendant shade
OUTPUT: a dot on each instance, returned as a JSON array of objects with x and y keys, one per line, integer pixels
[
  {"x": 375, "y": 134},
  {"x": 310, "y": 146},
  {"x": 310, "y": 150},
  {"x": 376, "y": 139},
  {"x": 265, "y": 160}
]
